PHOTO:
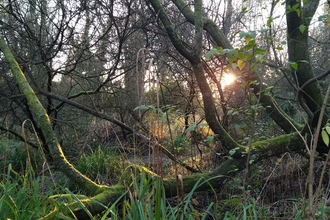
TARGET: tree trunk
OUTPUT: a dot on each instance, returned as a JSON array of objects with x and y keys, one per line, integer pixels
[{"x": 297, "y": 27}]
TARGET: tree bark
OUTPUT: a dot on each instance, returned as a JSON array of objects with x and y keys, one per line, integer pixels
[{"x": 298, "y": 22}]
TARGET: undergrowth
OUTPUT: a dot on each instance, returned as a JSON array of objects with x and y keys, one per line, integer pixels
[
  {"x": 33, "y": 194},
  {"x": 24, "y": 196}
]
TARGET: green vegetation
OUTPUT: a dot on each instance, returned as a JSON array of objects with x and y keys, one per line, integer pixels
[
  {"x": 25, "y": 197},
  {"x": 122, "y": 109},
  {"x": 31, "y": 196}
]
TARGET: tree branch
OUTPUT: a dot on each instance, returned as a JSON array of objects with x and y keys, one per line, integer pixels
[
  {"x": 176, "y": 41},
  {"x": 280, "y": 117},
  {"x": 41, "y": 118}
]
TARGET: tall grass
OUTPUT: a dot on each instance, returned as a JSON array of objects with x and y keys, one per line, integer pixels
[
  {"x": 34, "y": 196},
  {"x": 24, "y": 197},
  {"x": 102, "y": 165},
  {"x": 147, "y": 200}
]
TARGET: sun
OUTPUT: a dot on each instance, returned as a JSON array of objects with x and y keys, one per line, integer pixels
[{"x": 227, "y": 79}]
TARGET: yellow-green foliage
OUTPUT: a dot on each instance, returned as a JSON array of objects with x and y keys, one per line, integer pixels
[{"x": 103, "y": 165}]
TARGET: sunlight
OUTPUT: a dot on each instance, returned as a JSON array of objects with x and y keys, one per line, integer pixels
[{"x": 227, "y": 79}]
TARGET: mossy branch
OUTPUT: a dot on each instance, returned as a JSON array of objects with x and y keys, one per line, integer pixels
[
  {"x": 206, "y": 181},
  {"x": 42, "y": 119}
]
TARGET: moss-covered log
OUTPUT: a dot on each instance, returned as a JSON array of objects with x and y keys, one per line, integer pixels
[{"x": 206, "y": 181}]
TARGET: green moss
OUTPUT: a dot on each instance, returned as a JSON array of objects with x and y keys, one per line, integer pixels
[{"x": 42, "y": 119}]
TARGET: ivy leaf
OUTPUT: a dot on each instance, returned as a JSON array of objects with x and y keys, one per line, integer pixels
[
  {"x": 302, "y": 28},
  {"x": 263, "y": 30},
  {"x": 269, "y": 21},
  {"x": 233, "y": 151},
  {"x": 325, "y": 137},
  {"x": 231, "y": 52},
  {"x": 209, "y": 139},
  {"x": 259, "y": 51},
  {"x": 294, "y": 65},
  {"x": 268, "y": 89},
  {"x": 240, "y": 64},
  {"x": 190, "y": 128},
  {"x": 322, "y": 17},
  {"x": 247, "y": 38},
  {"x": 211, "y": 53},
  {"x": 250, "y": 45},
  {"x": 252, "y": 34},
  {"x": 268, "y": 38}
]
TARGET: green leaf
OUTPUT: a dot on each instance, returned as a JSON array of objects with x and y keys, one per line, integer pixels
[
  {"x": 295, "y": 8},
  {"x": 211, "y": 53},
  {"x": 230, "y": 52},
  {"x": 263, "y": 30},
  {"x": 268, "y": 89},
  {"x": 302, "y": 61},
  {"x": 269, "y": 21},
  {"x": 247, "y": 38},
  {"x": 178, "y": 141},
  {"x": 230, "y": 112},
  {"x": 251, "y": 34},
  {"x": 322, "y": 17},
  {"x": 209, "y": 139},
  {"x": 247, "y": 56},
  {"x": 233, "y": 151},
  {"x": 245, "y": 84},
  {"x": 268, "y": 38},
  {"x": 325, "y": 137},
  {"x": 259, "y": 51},
  {"x": 244, "y": 10},
  {"x": 327, "y": 128},
  {"x": 250, "y": 45},
  {"x": 294, "y": 65},
  {"x": 191, "y": 128},
  {"x": 302, "y": 28},
  {"x": 241, "y": 55}
]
